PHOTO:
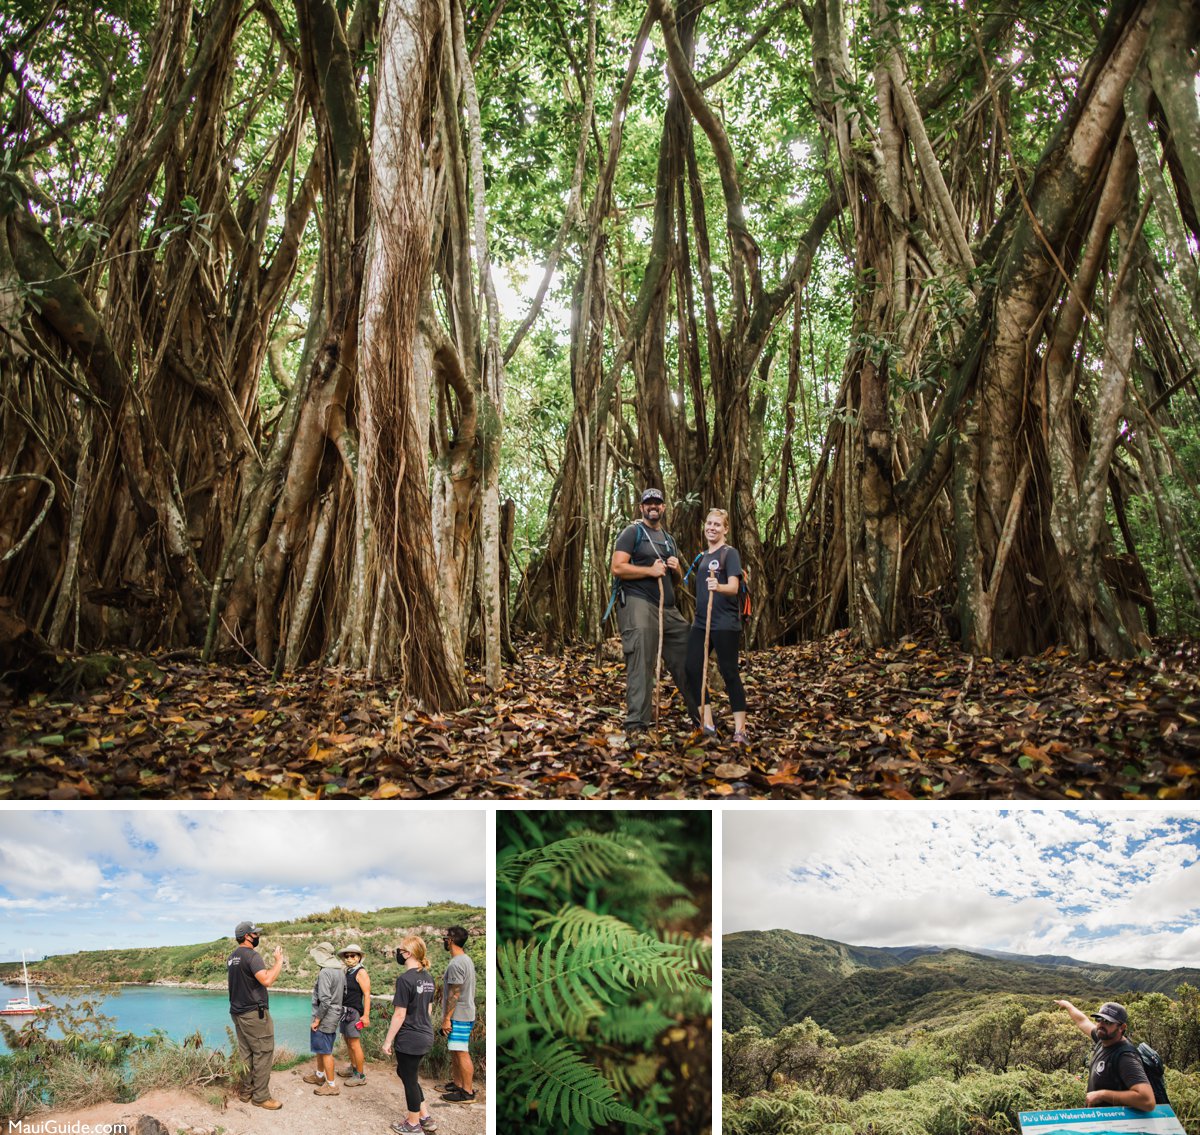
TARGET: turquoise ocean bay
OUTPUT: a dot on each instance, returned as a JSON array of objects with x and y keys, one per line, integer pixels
[{"x": 179, "y": 1012}]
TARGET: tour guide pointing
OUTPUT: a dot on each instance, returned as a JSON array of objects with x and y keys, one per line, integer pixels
[{"x": 1116, "y": 1077}]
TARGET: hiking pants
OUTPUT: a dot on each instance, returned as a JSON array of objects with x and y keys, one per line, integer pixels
[
  {"x": 725, "y": 643},
  {"x": 256, "y": 1049},
  {"x": 638, "y": 621},
  {"x": 406, "y": 1069}
]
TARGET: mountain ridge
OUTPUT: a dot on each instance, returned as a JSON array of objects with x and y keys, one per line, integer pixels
[{"x": 773, "y": 978}]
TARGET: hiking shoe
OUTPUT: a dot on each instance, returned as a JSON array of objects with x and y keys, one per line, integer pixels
[
  {"x": 448, "y": 1086},
  {"x": 327, "y": 1090},
  {"x": 739, "y": 738},
  {"x": 313, "y": 1078},
  {"x": 404, "y": 1128},
  {"x": 354, "y": 1080},
  {"x": 347, "y": 1072},
  {"x": 710, "y": 731},
  {"x": 270, "y": 1105},
  {"x": 428, "y": 1123},
  {"x": 458, "y": 1096}
]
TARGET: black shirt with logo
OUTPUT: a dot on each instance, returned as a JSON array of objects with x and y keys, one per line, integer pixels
[
  {"x": 246, "y": 992},
  {"x": 1116, "y": 1068}
]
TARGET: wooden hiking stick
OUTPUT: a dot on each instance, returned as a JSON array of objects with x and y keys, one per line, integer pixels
[
  {"x": 707, "y": 632},
  {"x": 658, "y": 661}
]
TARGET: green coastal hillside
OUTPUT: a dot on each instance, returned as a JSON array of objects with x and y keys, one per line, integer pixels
[
  {"x": 775, "y": 978},
  {"x": 377, "y": 931},
  {"x": 823, "y": 1038}
]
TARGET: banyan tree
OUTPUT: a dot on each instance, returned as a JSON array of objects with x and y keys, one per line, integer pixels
[{"x": 911, "y": 290}]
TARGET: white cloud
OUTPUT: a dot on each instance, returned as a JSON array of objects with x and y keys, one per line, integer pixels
[
  {"x": 98, "y": 878},
  {"x": 1102, "y": 886}
]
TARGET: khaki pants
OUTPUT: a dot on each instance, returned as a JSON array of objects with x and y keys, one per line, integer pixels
[
  {"x": 638, "y": 621},
  {"x": 256, "y": 1047}
]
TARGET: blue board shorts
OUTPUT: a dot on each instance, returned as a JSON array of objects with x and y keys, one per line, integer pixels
[
  {"x": 321, "y": 1043},
  {"x": 460, "y": 1036}
]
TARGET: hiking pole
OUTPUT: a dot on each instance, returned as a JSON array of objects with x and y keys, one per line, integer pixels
[
  {"x": 707, "y": 631},
  {"x": 658, "y": 661}
]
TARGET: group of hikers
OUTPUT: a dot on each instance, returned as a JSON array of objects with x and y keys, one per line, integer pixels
[
  {"x": 341, "y": 1002},
  {"x": 646, "y": 567}
]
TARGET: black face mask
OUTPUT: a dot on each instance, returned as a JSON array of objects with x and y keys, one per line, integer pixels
[
  {"x": 254, "y": 940},
  {"x": 400, "y": 959}
]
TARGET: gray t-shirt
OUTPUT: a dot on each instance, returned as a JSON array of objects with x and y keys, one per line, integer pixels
[
  {"x": 460, "y": 971},
  {"x": 654, "y": 544}
]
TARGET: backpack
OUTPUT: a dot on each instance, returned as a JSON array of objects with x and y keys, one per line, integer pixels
[
  {"x": 616, "y": 593},
  {"x": 1155, "y": 1069},
  {"x": 1153, "y": 1066},
  {"x": 743, "y": 597}
]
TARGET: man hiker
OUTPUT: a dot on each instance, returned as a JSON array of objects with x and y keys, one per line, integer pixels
[
  {"x": 327, "y": 994},
  {"x": 1116, "y": 1077},
  {"x": 249, "y": 979},
  {"x": 645, "y": 563},
  {"x": 458, "y": 1016},
  {"x": 356, "y": 1012}
]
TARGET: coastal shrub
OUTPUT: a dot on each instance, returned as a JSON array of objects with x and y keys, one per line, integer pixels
[
  {"x": 979, "y": 1104},
  {"x": 189, "y": 1066}
]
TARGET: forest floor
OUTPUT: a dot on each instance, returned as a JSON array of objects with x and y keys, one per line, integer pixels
[
  {"x": 828, "y": 719},
  {"x": 365, "y": 1110}
]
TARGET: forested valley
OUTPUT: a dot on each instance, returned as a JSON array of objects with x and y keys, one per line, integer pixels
[
  {"x": 339, "y": 338},
  {"x": 823, "y": 1038}
]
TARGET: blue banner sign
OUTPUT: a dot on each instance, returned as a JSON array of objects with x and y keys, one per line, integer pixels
[{"x": 1101, "y": 1121}]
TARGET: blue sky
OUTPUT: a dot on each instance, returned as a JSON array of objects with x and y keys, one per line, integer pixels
[
  {"x": 1116, "y": 886},
  {"x": 94, "y": 879}
]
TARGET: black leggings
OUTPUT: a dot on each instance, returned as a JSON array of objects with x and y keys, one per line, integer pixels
[
  {"x": 406, "y": 1069},
  {"x": 725, "y": 643}
]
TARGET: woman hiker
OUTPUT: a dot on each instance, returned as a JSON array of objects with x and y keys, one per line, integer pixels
[
  {"x": 411, "y": 1032},
  {"x": 718, "y": 623},
  {"x": 356, "y": 1013}
]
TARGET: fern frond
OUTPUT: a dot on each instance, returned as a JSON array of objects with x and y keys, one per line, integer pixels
[
  {"x": 579, "y": 859},
  {"x": 557, "y": 1081},
  {"x": 632, "y": 1024},
  {"x": 632, "y": 1077},
  {"x": 696, "y": 950}
]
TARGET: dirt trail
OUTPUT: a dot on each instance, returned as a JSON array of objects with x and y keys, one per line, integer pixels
[{"x": 366, "y": 1110}]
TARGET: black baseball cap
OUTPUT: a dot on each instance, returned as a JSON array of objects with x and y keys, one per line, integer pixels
[
  {"x": 652, "y": 495},
  {"x": 1112, "y": 1012},
  {"x": 244, "y": 928}
]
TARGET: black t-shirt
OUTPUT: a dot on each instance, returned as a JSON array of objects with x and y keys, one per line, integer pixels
[
  {"x": 414, "y": 993},
  {"x": 643, "y": 551},
  {"x": 1115, "y": 1069},
  {"x": 246, "y": 992},
  {"x": 726, "y": 615}
]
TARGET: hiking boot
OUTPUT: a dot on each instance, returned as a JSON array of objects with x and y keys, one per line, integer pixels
[
  {"x": 739, "y": 738},
  {"x": 448, "y": 1086},
  {"x": 327, "y": 1090},
  {"x": 428, "y": 1123},
  {"x": 313, "y": 1078},
  {"x": 354, "y": 1080},
  {"x": 269, "y": 1104},
  {"x": 458, "y": 1096}
]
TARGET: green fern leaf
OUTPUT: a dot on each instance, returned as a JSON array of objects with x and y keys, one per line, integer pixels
[{"x": 560, "y": 1082}]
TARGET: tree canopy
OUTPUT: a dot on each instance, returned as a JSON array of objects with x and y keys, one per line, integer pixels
[{"x": 348, "y": 332}]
